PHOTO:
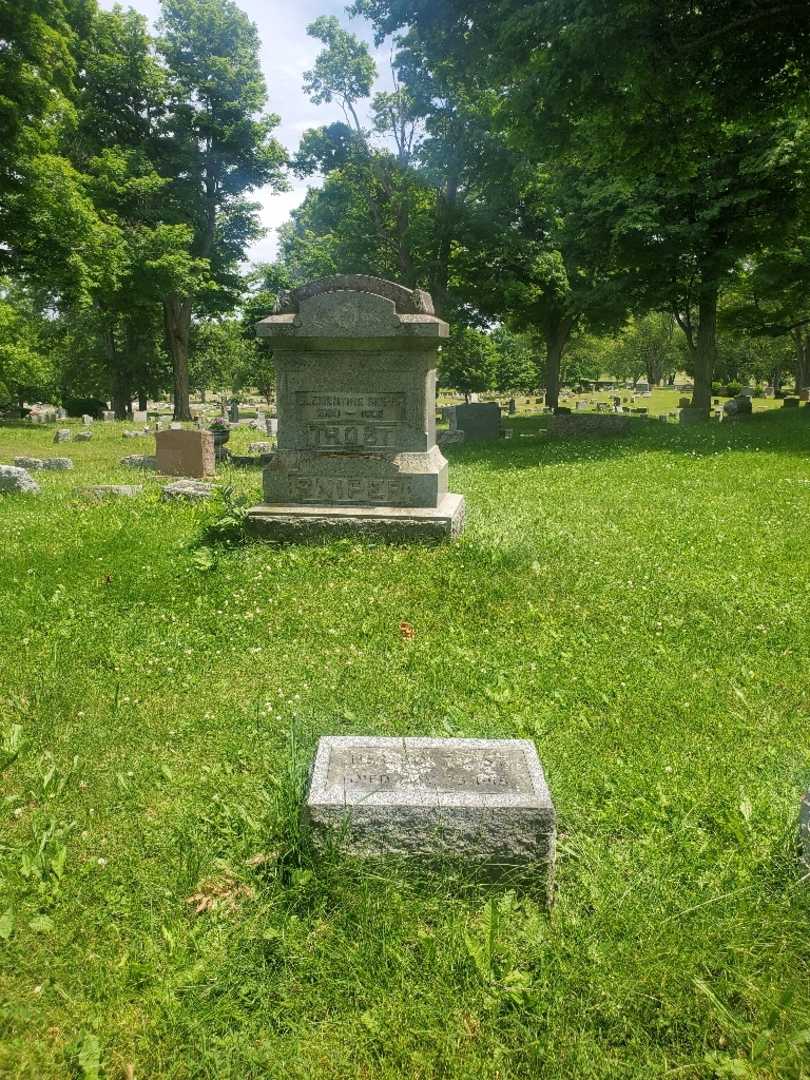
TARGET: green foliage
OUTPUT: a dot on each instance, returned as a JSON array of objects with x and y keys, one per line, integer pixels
[
  {"x": 468, "y": 361},
  {"x": 668, "y": 154},
  {"x": 517, "y": 356},
  {"x": 24, "y": 368},
  {"x": 585, "y": 608},
  {"x": 343, "y": 70},
  {"x": 221, "y": 356},
  {"x": 648, "y": 347}
]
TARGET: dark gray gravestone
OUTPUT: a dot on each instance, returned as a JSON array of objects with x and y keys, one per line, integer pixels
[{"x": 479, "y": 421}]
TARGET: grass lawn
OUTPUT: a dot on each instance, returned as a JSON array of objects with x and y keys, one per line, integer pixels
[{"x": 639, "y": 608}]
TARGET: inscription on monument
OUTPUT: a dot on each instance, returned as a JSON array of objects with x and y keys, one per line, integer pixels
[
  {"x": 337, "y": 406},
  {"x": 337, "y": 421},
  {"x": 434, "y": 770},
  {"x": 350, "y": 436},
  {"x": 347, "y": 489}
]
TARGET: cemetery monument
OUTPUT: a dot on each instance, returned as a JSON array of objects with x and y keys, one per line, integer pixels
[{"x": 355, "y": 358}]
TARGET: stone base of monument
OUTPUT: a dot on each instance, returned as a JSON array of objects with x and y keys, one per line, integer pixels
[
  {"x": 483, "y": 802},
  {"x": 297, "y": 522}
]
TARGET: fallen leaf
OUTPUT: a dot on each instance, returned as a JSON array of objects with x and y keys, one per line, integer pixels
[
  {"x": 223, "y": 892},
  {"x": 406, "y": 630}
]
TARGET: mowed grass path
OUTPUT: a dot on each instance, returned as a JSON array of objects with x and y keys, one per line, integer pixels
[{"x": 641, "y": 609}]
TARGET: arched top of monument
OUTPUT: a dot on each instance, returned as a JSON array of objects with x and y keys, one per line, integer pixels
[{"x": 406, "y": 301}]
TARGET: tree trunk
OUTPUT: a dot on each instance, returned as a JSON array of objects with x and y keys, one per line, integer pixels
[
  {"x": 178, "y": 326},
  {"x": 120, "y": 391},
  {"x": 802, "y": 371},
  {"x": 706, "y": 348},
  {"x": 556, "y": 339},
  {"x": 445, "y": 223},
  {"x": 143, "y": 400},
  {"x": 121, "y": 396}
]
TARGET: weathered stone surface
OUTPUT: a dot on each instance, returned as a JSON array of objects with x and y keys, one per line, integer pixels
[
  {"x": 62, "y": 435},
  {"x": 185, "y": 453},
  {"x": 590, "y": 425},
  {"x": 28, "y": 462},
  {"x": 14, "y": 479},
  {"x": 57, "y": 464},
  {"x": 112, "y": 491},
  {"x": 139, "y": 461},
  {"x": 131, "y": 434},
  {"x": 84, "y": 436},
  {"x": 481, "y": 799},
  {"x": 450, "y": 438},
  {"x": 804, "y": 829},
  {"x": 260, "y": 448},
  {"x": 479, "y": 420},
  {"x": 356, "y": 367},
  {"x": 315, "y": 523},
  {"x": 190, "y": 490},
  {"x": 790, "y": 403}
]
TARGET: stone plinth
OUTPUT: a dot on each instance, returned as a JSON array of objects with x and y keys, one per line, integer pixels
[
  {"x": 185, "y": 453},
  {"x": 356, "y": 383},
  {"x": 483, "y": 800}
]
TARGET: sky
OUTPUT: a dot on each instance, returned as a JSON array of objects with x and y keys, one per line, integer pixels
[{"x": 286, "y": 53}]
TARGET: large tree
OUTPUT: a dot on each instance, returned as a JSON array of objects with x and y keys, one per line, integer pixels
[
  {"x": 217, "y": 148},
  {"x": 40, "y": 58},
  {"x": 685, "y": 123}
]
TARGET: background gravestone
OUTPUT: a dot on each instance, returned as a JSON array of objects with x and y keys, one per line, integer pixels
[
  {"x": 355, "y": 359},
  {"x": 185, "y": 453},
  {"x": 479, "y": 420}
]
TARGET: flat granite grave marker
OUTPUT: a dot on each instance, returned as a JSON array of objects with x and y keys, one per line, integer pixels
[
  {"x": 483, "y": 800},
  {"x": 355, "y": 358}
]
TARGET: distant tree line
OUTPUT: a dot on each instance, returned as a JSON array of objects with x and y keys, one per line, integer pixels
[
  {"x": 615, "y": 184},
  {"x": 584, "y": 189},
  {"x": 127, "y": 161}
]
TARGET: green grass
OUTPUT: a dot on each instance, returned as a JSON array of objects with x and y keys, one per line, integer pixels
[{"x": 639, "y": 608}]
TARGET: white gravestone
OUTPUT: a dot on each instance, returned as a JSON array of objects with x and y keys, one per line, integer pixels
[{"x": 484, "y": 800}]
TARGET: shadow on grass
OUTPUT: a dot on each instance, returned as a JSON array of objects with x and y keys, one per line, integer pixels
[{"x": 776, "y": 431}]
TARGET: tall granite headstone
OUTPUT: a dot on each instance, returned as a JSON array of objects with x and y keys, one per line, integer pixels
[{"x": 355, "y": 358}]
